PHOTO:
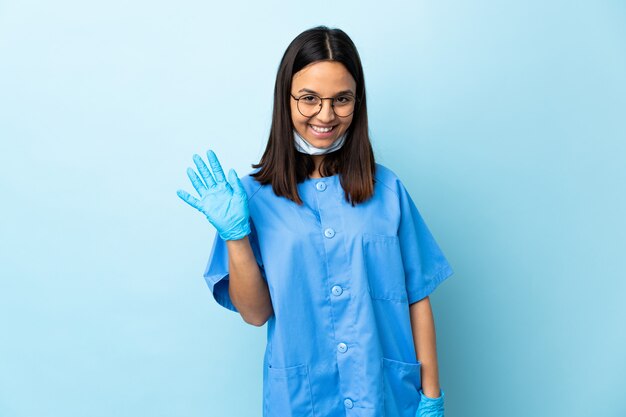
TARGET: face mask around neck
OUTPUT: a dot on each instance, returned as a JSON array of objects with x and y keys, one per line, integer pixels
[{"x": 305, "y": 147}]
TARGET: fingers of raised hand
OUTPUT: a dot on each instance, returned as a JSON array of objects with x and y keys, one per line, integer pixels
[
  {"x": 189, "y": 199},
  {"x": 204, "y": 171},
  {"x": 216, "y": 167},
  {"x": 197, "y": 182}
]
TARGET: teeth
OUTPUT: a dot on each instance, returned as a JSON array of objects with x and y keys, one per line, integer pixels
[{"x": 321, "y": 129}]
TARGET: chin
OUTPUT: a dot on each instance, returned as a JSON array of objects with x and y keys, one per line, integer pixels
[{"x": 322, "y": 143}]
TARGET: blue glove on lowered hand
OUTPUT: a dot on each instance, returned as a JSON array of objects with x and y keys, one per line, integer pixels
[
  {"x": 430, "y": 407},
  {"x": 224, "y": 203}
]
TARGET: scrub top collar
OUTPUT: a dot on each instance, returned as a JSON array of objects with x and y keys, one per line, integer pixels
[{"x": 329, "y": 178}]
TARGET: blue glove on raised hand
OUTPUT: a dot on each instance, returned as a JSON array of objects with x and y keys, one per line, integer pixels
[
  {"x": 430, "y": 407},
  {"x": 224, "y": 203}
]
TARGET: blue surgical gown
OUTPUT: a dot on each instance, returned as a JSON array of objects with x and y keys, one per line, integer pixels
[{"x": 341, "y": 280}]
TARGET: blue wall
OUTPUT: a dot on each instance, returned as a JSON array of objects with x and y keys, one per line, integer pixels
[{"x": 505, "y": 120}]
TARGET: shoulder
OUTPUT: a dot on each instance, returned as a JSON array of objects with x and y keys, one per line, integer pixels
[{"x": 388, "y": 179}]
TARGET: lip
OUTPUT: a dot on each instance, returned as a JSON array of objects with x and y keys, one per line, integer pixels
[{"x": 322, "y": 135}]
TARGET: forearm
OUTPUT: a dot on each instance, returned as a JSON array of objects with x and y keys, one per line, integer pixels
[
  {"x": 247, "y": 288},
  {"x": 423, "y": 326}
]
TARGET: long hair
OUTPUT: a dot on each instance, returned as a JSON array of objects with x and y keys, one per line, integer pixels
[{"x": 282, "y": 165}]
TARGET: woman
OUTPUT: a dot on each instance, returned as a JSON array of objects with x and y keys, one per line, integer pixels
[{"x": 328, "y": 248}]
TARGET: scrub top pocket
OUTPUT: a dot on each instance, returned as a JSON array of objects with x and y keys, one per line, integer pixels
[
  {"x": 402, "y": 381},
  {"x": 289, "y": 392},
  {"x": 383, "y": 262}
]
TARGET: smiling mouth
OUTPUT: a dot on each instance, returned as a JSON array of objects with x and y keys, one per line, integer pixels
[{"x": 322, "y": 129}]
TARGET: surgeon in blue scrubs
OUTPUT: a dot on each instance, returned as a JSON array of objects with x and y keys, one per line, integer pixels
[{"x": 328, "y": 248}]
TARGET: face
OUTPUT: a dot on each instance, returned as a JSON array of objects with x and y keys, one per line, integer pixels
[{"x": 324, "y": 79}]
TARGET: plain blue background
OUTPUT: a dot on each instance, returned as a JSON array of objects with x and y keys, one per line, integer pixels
[{"x": 505, "y": 120}]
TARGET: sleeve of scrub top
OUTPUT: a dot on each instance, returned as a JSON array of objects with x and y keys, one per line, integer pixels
[
  {"x": 425, "y": 265},
  {"x": 216, "y": 271}
]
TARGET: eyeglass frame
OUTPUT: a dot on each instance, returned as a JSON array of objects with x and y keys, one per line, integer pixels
[{"x": 332, "y": 105}]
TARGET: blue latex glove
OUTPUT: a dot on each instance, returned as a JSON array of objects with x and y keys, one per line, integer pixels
[
  {"x": 430, "y": 407},
  {"x": 224, "y": 203}
]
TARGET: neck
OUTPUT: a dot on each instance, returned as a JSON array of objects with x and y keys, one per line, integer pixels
[{"x": 317, "y": 159}]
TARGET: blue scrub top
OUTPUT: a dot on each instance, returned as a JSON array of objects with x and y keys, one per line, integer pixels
[{"x": 341, "y": 280}]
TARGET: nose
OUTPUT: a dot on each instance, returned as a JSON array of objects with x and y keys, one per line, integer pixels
[{"x": 326, "y": 114}]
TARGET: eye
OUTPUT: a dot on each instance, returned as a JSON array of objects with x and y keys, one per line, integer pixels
[
  {"x": 344, "y": 99},
  {"x": 309, "y": 99}
]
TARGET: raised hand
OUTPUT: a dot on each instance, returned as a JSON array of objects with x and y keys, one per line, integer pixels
[{"x": 224, "y": 203}]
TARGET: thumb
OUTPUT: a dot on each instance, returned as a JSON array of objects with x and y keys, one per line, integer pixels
[{"x": 235, "y": 182}]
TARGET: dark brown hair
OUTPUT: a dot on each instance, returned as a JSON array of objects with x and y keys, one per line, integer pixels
[{"x": 281, "y": 164}]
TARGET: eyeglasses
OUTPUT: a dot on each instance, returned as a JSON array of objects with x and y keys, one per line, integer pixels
[{"x": 310, "y": 105}]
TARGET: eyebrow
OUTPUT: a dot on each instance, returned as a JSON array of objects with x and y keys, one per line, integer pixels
[{"x": 306, "y": 90}]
